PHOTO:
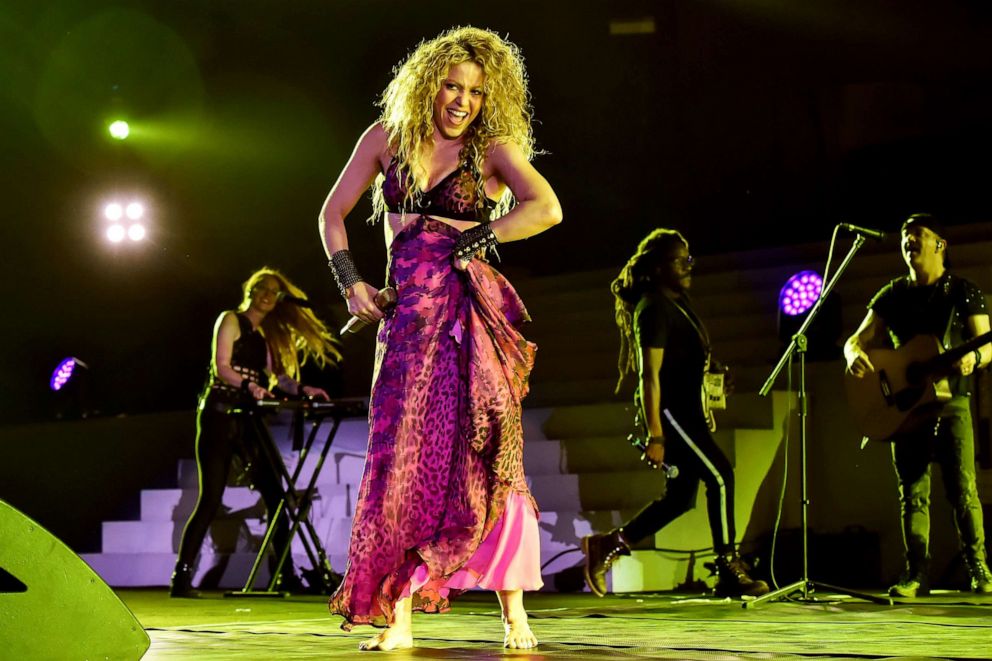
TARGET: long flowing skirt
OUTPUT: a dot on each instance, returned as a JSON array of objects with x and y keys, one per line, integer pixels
[{"x": 443, "y": 504}]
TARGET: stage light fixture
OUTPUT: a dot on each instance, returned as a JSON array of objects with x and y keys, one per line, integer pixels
[
  {"x": 116, "y": 233},
  {"x": 795, "y": 299},
  {"x": 113, "y": 211},
  {"x": 136, "y": 232},
  {"x": 126, "y": 220},
  {"x": 120, "y": 129},
  {"x": 69, "y": 385},
  {"x": 135, "y": 210},
  {"x": 64, "y": 371},
  {"x": 800, "y": 292}
]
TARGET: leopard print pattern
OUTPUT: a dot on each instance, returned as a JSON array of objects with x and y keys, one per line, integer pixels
[
  {"x": 446, "y": 438},
  {"x": 451, "y": 197}
]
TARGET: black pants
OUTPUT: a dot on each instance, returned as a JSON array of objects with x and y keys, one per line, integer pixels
[
  {"x": 690, "y": 446},
  {"x": 219, "y": 436},
  {"x": 950, "y": 442}
]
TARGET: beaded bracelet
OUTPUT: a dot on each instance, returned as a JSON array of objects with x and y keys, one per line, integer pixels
[{"x": 344, "y": 270}]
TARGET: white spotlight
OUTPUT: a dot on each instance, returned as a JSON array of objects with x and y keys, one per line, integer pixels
[
  {"x": 135, "y": 210},
  {"x": 116, "y": 232},
  {"x": 136, "y": 232},
  {"x": 113, "y": 211}
]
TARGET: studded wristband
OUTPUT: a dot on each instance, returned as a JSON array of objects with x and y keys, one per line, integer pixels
[
  {"x": 473, "y": 240},
  {"x": 345, "y": 272}
]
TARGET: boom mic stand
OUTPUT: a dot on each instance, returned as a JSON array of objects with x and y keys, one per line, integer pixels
[{"x": 798, "y": 345}]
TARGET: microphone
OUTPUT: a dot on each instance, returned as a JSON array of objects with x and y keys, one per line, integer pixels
[
  {"x": 863, "y": 231},
  {"x": 295, "y": 300},
  {"x": 671, "y": 472},
  {"x": 384, "y": 299}
]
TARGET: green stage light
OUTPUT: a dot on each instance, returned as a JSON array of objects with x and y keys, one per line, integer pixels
[{"x": 120, "y": 129}]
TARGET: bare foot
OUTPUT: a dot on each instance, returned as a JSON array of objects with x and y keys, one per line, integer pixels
[
  {"x": 399, "y": 635},
  {"x": 389, "y": 639},
  {"x": 518, "y": 635}
]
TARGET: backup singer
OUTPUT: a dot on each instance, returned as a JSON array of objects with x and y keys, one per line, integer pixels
[
  {"x": 253, "y": 346},
  {"x": 666, "y": 345},
  {"x": 443, "y": 504}
]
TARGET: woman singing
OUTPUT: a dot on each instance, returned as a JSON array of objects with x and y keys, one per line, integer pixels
[{"x": 443, "y": 505}]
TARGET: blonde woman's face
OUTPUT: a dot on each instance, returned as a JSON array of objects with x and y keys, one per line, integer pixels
[
  {"x": 459, "y": 100},
  {"x": 265, "y": 294}
]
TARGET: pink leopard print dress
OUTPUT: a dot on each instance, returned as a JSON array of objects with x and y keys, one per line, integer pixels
[{"x": 445, "y": 443}]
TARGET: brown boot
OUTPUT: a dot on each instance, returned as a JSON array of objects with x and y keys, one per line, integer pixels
[
  {"x": 733, "y": 578},
  {"x": 601, "y": 552}
]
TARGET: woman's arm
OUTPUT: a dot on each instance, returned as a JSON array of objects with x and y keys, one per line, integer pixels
[
  {"x": 537, "y": 207},
  {"x": 650, "y": 359},
  {"x": 356, "y": 177},
  {"x": 293, "y": 387}
]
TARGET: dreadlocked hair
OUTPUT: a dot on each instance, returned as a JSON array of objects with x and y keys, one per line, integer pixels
[
  {"x": 291, "y": 330},
  {"x": 639, "y": 276},
  {"x": 408, "y": 108}
]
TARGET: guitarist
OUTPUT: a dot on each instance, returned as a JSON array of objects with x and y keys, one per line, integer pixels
[
  {"x": 664, "y": 342},
  {"x": 930, "y": 300}
]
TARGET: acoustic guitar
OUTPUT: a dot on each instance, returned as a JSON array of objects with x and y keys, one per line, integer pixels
[{"x": 905, "y": 380}]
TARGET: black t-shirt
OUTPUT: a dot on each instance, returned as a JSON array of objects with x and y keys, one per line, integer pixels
[
  {"x": 661, "y": 323},
  {"x": 941, "y": 309}
]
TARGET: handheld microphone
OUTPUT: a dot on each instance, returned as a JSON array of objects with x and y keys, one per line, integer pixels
[
  {"x": 875, "y": 235},
  {"x": 384, "y": 299},
  {"x": 671, "y": 472},
  {"x": 295, "y": 300}
]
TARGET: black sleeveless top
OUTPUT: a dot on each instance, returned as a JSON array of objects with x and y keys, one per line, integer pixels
[
  {"x": 249, "y": 357},
  {"x": 453, "y": 197}
]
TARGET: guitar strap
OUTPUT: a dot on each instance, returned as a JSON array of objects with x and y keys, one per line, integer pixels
[
  {"x": 946, "y": 340},
  {"x": 942, "y": 385},
  {"x": 718, "y": 395},
  {"x": 700, "y": 329}
]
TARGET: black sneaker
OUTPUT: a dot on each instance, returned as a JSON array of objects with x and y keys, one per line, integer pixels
[{"x": 601, "y": 552}]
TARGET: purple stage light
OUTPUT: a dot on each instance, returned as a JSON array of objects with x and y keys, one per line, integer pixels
[
  {"x": 800, "y": 292},
  {"x": 62, "y": 374}
]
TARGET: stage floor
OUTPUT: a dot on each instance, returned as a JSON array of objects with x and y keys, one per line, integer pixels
[{"x": 579, "y": 626}]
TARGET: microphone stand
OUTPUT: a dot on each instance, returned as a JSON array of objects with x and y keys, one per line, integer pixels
[{"x": 798, "y": 345}]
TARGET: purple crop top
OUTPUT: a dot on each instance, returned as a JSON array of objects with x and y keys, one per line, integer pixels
[{"x": 453, "y": 197}]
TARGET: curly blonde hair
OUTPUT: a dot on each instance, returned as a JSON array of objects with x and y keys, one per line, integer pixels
[
  {"x": 639, "y": 276},
  {"x": 408, "y": 106},
  {"x": 290, "y": 329}
]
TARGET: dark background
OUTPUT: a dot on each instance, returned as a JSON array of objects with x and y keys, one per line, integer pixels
[{"x": 746, "y": 124}]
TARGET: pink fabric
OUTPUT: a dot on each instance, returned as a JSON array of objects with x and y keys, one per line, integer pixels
[
  {"x": 507, "y": 559},
  {"x": 445, "y": 455}
]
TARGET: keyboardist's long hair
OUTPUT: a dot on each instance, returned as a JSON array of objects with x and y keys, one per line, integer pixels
[
  {"x": 638, "y": 277},
  {"x": 293, "y": 333}
]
